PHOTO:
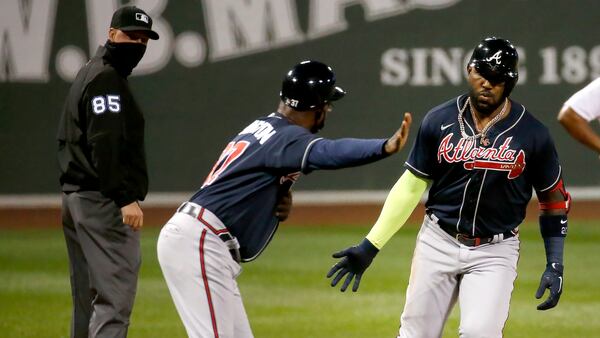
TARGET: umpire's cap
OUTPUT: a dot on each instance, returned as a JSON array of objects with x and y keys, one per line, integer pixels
[
  {"x": 496, "y": 60},
  {"x": 131, "y": 18},
  {"x": 308, "y": 85}
]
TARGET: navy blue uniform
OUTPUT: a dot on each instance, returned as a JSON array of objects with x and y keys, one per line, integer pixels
[
  {"x": 260, "y": 164},
  {"x": 483, "y": 190}
]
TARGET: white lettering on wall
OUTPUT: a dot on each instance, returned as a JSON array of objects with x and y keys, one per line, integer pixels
[
  {"x": 433, "y": 66},
  {"x": 242, "y": 27},
  {"x": 447, "y": 65},
  {"x": 26, "y": 33},
  {"x": 327, "y": 16},
  {"x": 394, "y": 67}
]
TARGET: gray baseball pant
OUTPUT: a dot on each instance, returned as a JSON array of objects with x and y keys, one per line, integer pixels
[
  {"x": 443, "y": 271},
  {"x": 104, "y": 260},
  {"x": 201, "y": 276}
]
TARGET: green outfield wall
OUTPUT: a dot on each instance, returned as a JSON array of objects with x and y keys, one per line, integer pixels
[{"x": 219, "y": 64}]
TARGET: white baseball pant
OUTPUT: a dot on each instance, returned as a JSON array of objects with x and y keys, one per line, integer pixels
[
  {"x": 443, "y": 271},
  {"x": 201, "y": 276}
]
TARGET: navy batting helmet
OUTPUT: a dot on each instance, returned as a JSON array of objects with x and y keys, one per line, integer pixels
[
  {"x": 496, "y": 60},
  {"x": 308, "y": 85}
]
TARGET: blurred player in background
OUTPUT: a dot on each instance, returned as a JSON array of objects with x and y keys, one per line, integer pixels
[
  {"x": 481, "y": 153},
  {"x": 578, "y": 111},
  {"x": 234, "y": 215}
]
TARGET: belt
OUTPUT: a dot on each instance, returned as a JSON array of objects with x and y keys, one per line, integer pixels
[
  {"x": 212, "y": 223},
  {"x": 467, "y": 239}
]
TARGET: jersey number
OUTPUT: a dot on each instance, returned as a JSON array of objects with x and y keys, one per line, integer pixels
[
  {"x": 101, "y": 103},
  {"x": 232, "y": 151}
]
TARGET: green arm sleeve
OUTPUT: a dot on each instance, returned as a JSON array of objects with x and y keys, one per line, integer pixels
[{"x": 399, "y": 204}]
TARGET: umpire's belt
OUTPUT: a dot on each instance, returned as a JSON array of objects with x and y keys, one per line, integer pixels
[
  {"x": 214, "y": 224},
  {"x": 467, "y": 239}
]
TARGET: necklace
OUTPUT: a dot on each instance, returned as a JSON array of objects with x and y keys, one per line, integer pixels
[{"x": 485, "y": 141}]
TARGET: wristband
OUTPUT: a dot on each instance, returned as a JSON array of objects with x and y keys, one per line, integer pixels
[
  {"x": 553, "y": 225},
  {"x": 554, "y": 249}
]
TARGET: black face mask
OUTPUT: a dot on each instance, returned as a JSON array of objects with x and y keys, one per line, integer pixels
[{"x": 125, "y": 55}]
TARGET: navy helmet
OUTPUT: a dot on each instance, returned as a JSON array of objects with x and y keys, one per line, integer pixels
[
  {"x": 308, "y": 85},
  {"x": 496, "y": 60}
]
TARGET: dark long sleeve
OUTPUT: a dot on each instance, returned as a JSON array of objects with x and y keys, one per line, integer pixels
[
  {"x": 115, "y": 137},
  {"x": 101, "y": 135},
  {"x": 344, "y": 153}
]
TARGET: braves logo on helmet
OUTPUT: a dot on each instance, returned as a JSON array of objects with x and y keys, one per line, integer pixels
[
  {"x": 496, "y": 57},
  {"x": 502, "y": 158}
]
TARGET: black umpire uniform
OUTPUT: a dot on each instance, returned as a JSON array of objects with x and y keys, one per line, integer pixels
[{"x": 102, "y": 169}]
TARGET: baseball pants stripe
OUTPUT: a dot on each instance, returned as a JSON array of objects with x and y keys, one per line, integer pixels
[
  {"x": 206, "y": 287},
  {"x": 201, "y": 276}
]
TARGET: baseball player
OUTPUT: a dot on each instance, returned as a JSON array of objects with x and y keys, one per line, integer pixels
[
  {"x": 103, "y": 176},
  {"x": 481, "y": 154},
  {"x": 578, "y": 111},
  {"x": 232, "y": 218}
]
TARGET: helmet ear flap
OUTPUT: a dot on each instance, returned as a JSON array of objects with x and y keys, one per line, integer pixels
[{"x": 509, "y": 85}]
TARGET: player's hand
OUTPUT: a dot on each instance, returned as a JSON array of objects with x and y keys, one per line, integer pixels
[
  {"x": 552, "y": 279},
  {"x": 355, "y": 260},
  {"x": 133, "y": 216},
  {"x": 284, "y": 206},
  {"x": 398, "y": 140}
]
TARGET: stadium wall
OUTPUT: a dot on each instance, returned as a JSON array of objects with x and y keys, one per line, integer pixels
[{"x": 357, "y": 208}]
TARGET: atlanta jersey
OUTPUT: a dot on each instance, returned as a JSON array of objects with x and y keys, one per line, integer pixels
[
  {"x": 483, "y": 186},
  {"x": 260, "y": 165}
]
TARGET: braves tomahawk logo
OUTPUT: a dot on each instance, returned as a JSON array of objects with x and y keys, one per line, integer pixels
[
  {"x": 502, "y": 158},
  {"x": 293, "y": 177},
  {"x": 496, "y": 57}
]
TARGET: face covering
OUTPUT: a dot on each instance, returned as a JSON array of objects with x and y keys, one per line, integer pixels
[{"x": 126, "y": 55}]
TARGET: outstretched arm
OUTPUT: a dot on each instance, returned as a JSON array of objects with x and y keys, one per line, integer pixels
[
  {"x": 400, "y": 203},
  {"x": 350, "y": 152}
]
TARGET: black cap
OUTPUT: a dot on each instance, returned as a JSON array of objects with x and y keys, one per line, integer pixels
[{"x": 131, "y": 18}]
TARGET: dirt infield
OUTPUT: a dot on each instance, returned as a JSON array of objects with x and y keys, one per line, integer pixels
[{"x": 359, "y": 214}]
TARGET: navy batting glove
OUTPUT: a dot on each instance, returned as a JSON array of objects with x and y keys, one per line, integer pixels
[
  {"x": 552, "y": 279},
  {"x": 355, "y": 260}
]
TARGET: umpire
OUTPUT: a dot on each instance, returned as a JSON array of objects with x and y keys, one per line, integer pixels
[{"x": 103, "y": 176}]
